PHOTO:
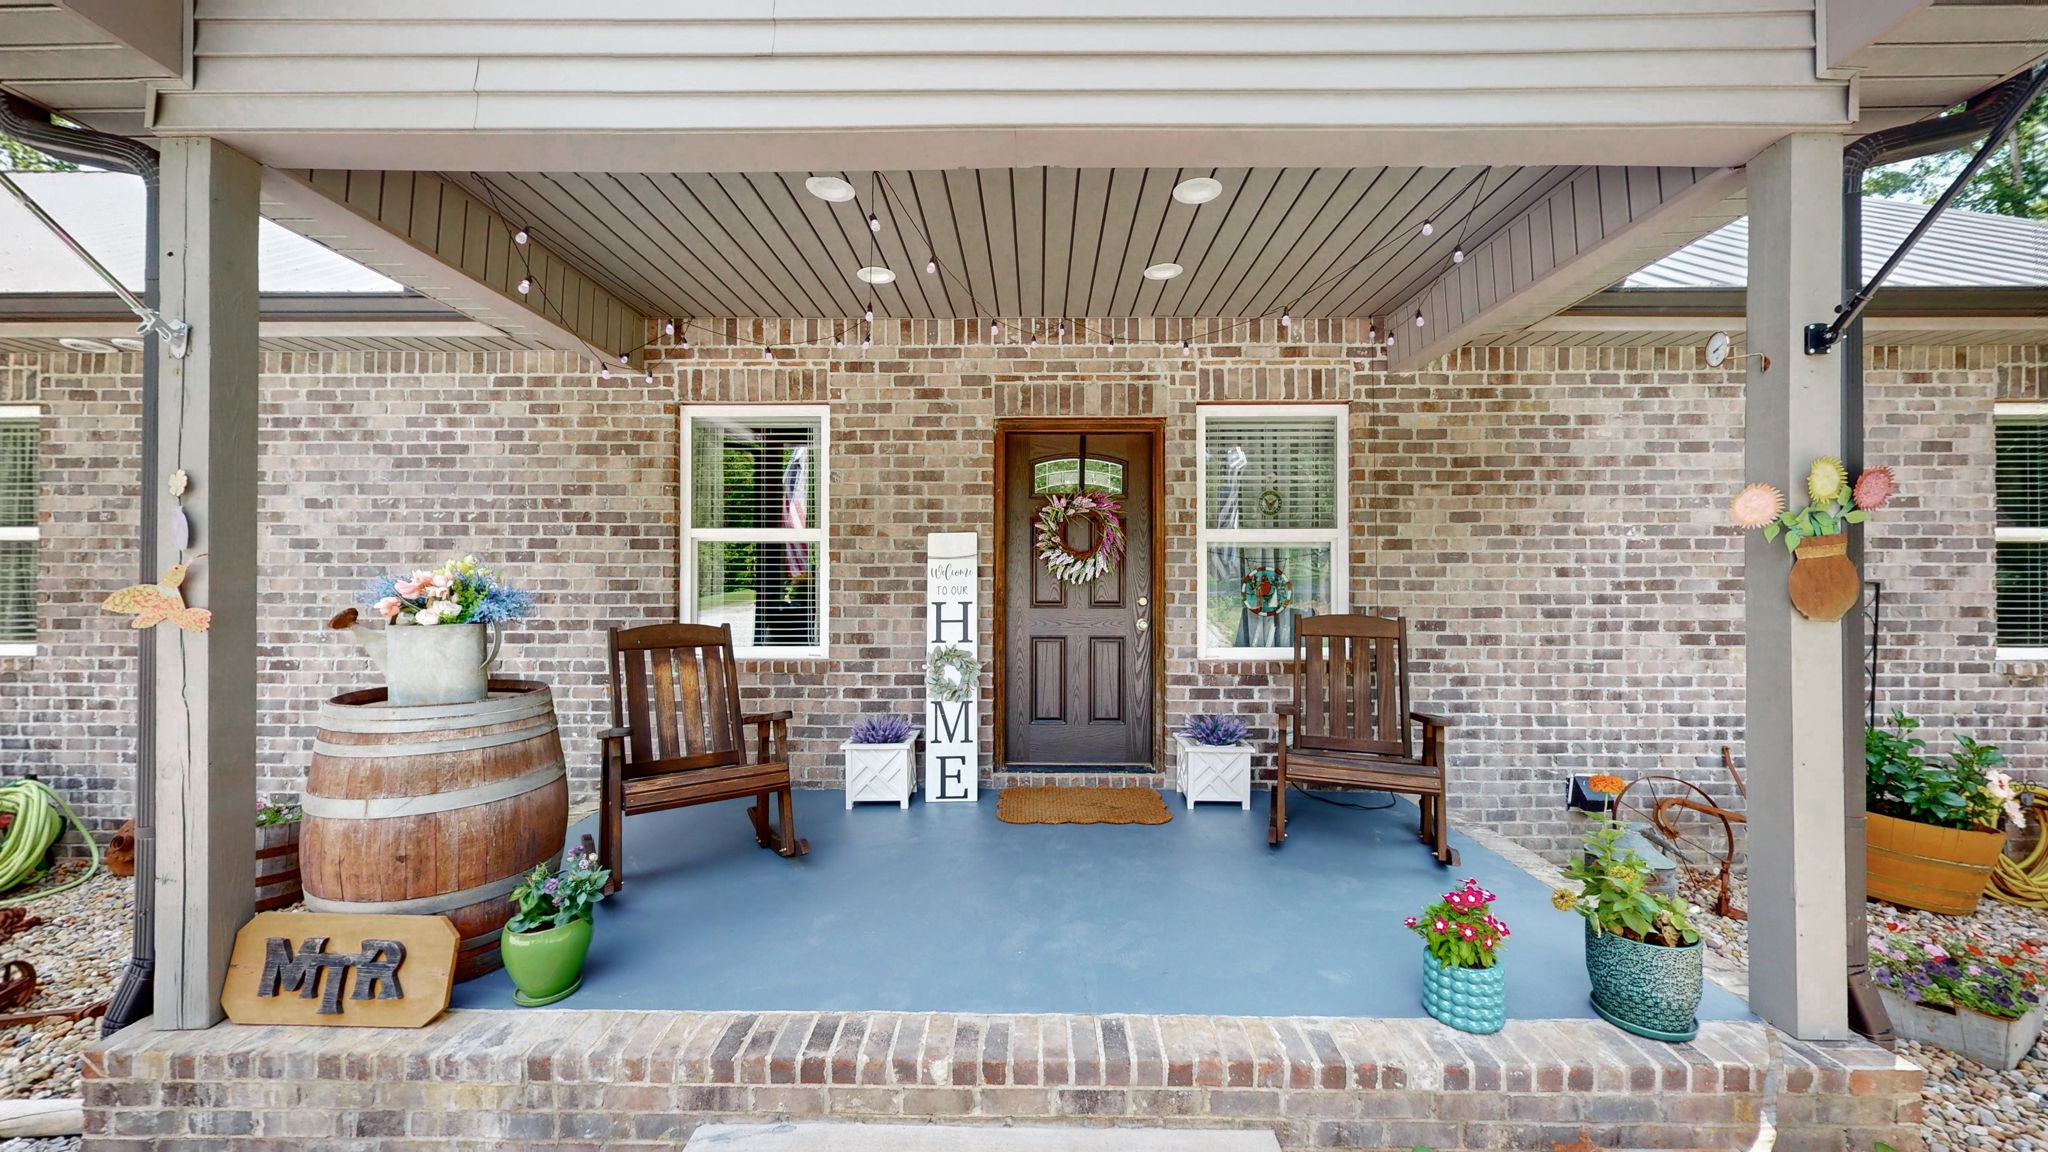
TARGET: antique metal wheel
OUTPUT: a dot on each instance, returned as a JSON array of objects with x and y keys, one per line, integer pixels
[{"x": 1683, "y": 821}]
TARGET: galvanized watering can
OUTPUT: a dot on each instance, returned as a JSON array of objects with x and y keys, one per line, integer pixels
[{"x": 427, "y": 663}]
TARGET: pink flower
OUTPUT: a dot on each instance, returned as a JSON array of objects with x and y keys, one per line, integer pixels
[
  {"x": 1410, "y": 922},
  {"x": 1874, "y": 487},
  {"x": 412, "y": 586},
  {"x": 1442, "y": 925},
  {"x": 390, "y": 607},
  {"x": 1466, "y": 931}
]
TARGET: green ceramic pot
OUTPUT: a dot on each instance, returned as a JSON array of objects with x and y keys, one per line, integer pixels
[
  {"x": 1651, "y": 990},
  {"x": 1468, "y": 999},
  {"x": 546, "y": 966}
]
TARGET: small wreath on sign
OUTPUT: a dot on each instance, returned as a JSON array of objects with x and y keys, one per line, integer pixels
[
  {"x": 1267, "y": 590},
  {"x": 952, "y": 674},
  {"x": 1066, "y": 564}
]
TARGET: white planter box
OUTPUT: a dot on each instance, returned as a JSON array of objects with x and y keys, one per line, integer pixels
[
  {"x": 881, "y": 771},
  {"x": 1992, "y": 1042},
  {"x": 1214, "y": 772}
]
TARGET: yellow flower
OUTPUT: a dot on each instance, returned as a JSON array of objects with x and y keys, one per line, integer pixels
[
  {"x": 1563, "y": 899},
  {"x": 1826, "y": 480},
  {"x": 1620, "y": 873},
  {"x": 1756, "y": 506}
]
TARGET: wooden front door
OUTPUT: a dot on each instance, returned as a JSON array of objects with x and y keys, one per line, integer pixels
[{"x": 1077, "y": 658}]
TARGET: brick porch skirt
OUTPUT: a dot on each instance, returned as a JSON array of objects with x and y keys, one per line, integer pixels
[{"x": 575, "y": 1080}]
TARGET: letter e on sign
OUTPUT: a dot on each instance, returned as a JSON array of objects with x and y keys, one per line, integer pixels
[{"x": 360, "y": 971}]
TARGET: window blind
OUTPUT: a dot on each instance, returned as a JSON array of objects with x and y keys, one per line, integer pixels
[
  {"x": 2022, "y": 580},
  {"x": 17, "y": 472},
  {"x": 18, "y": 529},
  {"x": 1267, "y": 472},
  {"x": 756, "y": 545},
  {"x": 756, "y": 474}
]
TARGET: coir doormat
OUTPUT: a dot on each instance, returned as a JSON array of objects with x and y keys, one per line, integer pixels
[{"x": 1081, "y": 805}]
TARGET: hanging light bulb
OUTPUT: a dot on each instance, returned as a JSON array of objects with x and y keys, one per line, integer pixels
[
  {"x": 669, "y": 329},
  {"x": 686, "y": 340},
  {"x": 1285, "y": 319},
  {"x": 1419, "y": 321},
  {"x": 1112, "y": 341},
  {"x": 1372, "y": 334},
  {"x": 874, "y": 223},
  {"x": 525, "y": 285},
  {"x": 1458, "y": 254},
  {"x": 1428, "y": 227},
  {"x": 604, "y": 370},
  {"x": 767, "y": 352},
  {"x": 519, "y": 237},
  {"x": 650, "y": 377},
  {"x": 867, "y": 341},
  {"x": 1187, "y": 348},
  {"x": 869, "y": 315},
  {"x": 1034, "y": 339},
  {"x": 993, "y": 329},
  {"x": 622, "y": 359},
  {"x": 837, "y": 342},
  {"x": 931, "y": 267},
  {"x": 1063, "y": 330}
]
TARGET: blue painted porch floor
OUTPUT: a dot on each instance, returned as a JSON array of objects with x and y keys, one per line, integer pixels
[{"x": 944, "y": 908}]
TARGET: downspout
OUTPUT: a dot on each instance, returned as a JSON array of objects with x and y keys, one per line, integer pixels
[
  {"x": 31, "y": 125},
  {"x": 1982, "y": 114}
]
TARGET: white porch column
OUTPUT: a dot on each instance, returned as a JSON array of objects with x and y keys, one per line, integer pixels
[
  {"x": 205, "y": 683},
  {"x": 1794, "y": 712}
]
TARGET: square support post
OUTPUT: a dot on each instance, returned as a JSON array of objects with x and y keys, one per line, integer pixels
[
  {"x": 1794, "y": 686},
  {"x": 204, "y": 688}
]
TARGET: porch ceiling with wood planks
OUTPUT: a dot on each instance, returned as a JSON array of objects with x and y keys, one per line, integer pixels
[{"x": 1023, "y": 241}]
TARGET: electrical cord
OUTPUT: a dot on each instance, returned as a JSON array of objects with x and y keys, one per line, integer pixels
[
  {"x": 1343, "y": 803},
  {"x": 39, "y": 817}
]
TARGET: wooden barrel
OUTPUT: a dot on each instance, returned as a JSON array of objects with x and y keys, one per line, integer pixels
[
  {"x": 1942, "y": 870},
  {"x": 435, "y": 809},
  {"x": 277, "y": 866}
]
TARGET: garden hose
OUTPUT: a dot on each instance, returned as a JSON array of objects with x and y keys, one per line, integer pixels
[
  {"x": 2025, "y": 882},
  {"x": 39, "y": 815}
]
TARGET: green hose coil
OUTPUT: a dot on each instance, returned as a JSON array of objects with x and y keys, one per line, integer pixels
[{"x": 39, "y": 818}]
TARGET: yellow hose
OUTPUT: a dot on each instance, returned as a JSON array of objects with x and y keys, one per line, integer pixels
[{"x": 2025, "y": 882}]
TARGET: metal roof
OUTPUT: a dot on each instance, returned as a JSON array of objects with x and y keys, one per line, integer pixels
[
  {"x": 1962, "y": 250},
  {"x": 103, "y": 211}
]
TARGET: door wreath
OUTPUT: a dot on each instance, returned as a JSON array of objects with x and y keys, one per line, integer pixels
[
  {"x": 1267, "y": 590},
  {"x": 1065, "y": 563}
]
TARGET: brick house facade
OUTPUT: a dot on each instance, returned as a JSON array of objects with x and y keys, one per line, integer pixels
[{"x": 1550, "y": 520}]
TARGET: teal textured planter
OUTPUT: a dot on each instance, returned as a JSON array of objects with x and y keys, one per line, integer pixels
[
  {"x": 546, "y": 966},
  {"x": 1649, "y": 989},
  {"x": 1468, "y": 999}
]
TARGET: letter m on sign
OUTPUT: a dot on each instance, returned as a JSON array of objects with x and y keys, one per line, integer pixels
[{"x": 955, "y": 722}]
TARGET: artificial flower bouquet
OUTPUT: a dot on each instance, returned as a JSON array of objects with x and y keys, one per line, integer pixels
[
  {"x": 1832, "y": 503},
  {"x": 463, "y": 591},
  {"x": 1461, "y": 930}
]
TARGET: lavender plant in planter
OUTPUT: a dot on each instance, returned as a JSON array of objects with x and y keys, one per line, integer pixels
[
  {"x": 1214, "y": 761},
  {"x": 879, "y": 753}
]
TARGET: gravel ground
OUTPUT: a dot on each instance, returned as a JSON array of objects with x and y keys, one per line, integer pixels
[
  {"x": 1967, "y": 1106},
  {"x": 50, "y": 1144},
  {"x": 78, "y": 952}
]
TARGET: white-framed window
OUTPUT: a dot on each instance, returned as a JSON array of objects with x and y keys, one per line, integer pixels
[
  {"x": 20, "y": 429},
  {"x": 1272, "y": 512},
  {"x": 2022, "y": 431},
  {"x": 754, "y": 525}
]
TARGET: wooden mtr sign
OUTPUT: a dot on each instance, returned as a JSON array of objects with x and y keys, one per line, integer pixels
[{"x": 353, "y": 971}]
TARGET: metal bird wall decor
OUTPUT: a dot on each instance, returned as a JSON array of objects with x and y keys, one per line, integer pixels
[{"x": 152, "y": 604}]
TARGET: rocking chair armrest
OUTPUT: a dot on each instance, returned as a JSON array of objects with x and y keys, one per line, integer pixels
[
  {"x": 1286, "y": 711},
  {"x": 615, "y": 734},
  {"x": 765, "y": 717},
  {"x": 771, "y": 735},
  {"x": 1430, "y": 719}
]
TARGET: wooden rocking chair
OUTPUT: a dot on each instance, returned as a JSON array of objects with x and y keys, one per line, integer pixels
[
  {"x": 1350, "y": 723},
  {"x": 678, "y": 737}
]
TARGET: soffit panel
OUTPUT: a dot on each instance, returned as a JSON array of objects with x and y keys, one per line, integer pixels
[{"x": 1016, "y": 242}]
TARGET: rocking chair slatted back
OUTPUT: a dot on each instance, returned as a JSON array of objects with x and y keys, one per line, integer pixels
[
  {"x": 674, "y": 687},
  {"x": 1351, "y": 685}
]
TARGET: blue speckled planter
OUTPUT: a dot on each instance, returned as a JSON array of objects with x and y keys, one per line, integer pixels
[
  {"x": 1648, "y": 989},
  {"x": 1468, "y": 999}
]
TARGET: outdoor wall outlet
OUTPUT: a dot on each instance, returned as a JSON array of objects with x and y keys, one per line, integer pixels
[{"x": 1580, "y": 795}]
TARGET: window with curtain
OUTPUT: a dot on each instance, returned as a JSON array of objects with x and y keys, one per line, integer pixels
[
  {"x": 1271, "y": 538},
  {"x": 19, "y": 430},
  {"x": 754, "y": 531},
  {"x": 2022, "y": 431}
]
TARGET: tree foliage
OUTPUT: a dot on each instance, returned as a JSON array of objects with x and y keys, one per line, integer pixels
[
  {"x": 2013, "y": 182},
  {"x": 18, "y": 157}
]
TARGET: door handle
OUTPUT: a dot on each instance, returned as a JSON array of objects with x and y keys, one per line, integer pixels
[{"x": 1144, "y": 624}]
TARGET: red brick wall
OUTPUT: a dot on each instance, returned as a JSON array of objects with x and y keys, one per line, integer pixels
[{"x": 1551, "y": 521}]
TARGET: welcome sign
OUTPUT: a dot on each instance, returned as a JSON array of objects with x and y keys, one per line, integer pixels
[{"x": 952, "y": 739}]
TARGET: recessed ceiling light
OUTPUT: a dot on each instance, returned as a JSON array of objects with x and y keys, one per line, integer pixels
[
  {"x": 1199, "y": 190},
  {"x": 127, "y": 343},
  {"x": 829, "y": 188},
  {"x": 1163, "y": 271},
  {"x": 876, "y": 275},
  {"x": 81, "y": 344}
]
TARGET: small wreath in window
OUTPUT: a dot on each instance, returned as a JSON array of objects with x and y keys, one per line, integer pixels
[
  {"x": 1270, "y": 501},
  {"x": 1065, "y": 563},
  {"x": 951, "y": 674},
  {"x": 1267, "y": 591}
]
